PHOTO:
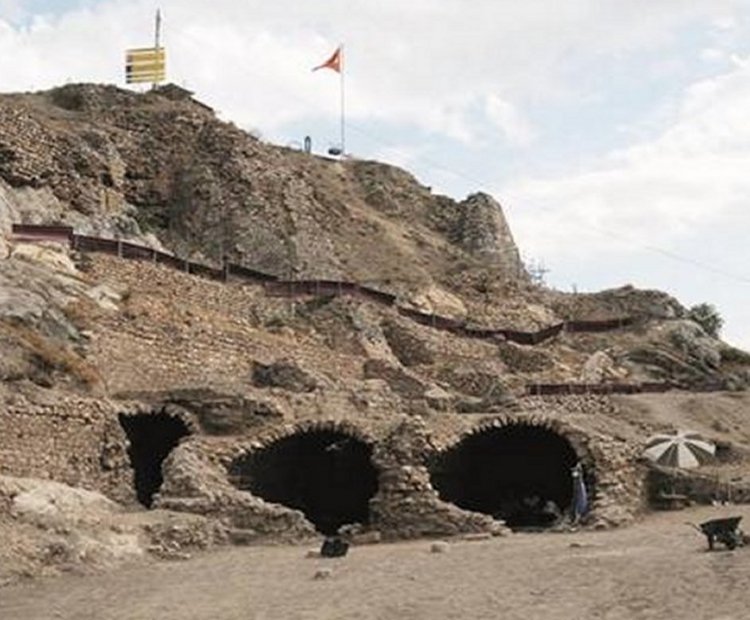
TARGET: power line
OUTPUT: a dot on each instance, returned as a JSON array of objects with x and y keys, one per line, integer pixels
[{"x": 433, "y": 165}]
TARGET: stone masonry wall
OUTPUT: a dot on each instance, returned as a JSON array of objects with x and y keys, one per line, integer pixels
[{"x": 76, "y": 441}]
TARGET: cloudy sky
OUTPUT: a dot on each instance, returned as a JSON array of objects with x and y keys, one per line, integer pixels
[{"x": 615, "y": 133}]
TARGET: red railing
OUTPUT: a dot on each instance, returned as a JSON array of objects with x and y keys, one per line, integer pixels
[
  {"x": 301, "y": 288},
  {"x": 297, "y": 288},
  {"x": 33, "y": 232}
]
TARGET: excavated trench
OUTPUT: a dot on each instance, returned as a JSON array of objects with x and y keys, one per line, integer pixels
[
  {"x": 328, "y": 475},
  {"x": 519, "y": 473},
  {"x": 151, "y": 437}
]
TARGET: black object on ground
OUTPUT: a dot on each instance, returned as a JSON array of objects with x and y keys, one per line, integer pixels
[
  {"x": 725, "y": 531},
  {"x": 334, "y": 547}
]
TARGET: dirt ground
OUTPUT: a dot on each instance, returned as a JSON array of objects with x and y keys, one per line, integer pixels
[{"x": 656, "y": 569}]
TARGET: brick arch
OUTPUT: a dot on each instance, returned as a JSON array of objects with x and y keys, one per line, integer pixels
[
  {"x": 272, "y": 435},
  {"x": 517, "y": 469},
  {"x": 152, "y": 434},
  {"x": 324, "y": 469}
]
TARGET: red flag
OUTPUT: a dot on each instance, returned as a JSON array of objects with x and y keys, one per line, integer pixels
[{"x": 334, "y": 62}]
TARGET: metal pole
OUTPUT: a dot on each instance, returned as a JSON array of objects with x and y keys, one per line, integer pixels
[
  {"x": 157, "y": 38},
  {"x": 342, "y": 60}
]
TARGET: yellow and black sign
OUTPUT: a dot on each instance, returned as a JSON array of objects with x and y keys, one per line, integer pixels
[{"x": 145, "y": 64}]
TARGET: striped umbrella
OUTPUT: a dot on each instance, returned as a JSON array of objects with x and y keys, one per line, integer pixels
[{"x": 684, "y": 449}]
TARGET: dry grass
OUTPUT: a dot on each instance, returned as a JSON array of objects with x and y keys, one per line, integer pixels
[
  {"x": 81, "y": 313},
  {"x": 50, "y": 355}
]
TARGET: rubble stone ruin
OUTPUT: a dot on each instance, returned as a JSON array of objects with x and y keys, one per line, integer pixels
[
  {"x": 510, "y": 472},
  {"x": 328, "y": 475},
  {"x": 151, "y": 438}
]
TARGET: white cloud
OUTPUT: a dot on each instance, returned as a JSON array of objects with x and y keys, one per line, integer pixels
[
  {"x": 427, "y": 63},
  {"x": 511, "y": 123},
  {"x": 711, "y": 54},
  {"x": 11, "y": 10},
  {"x": 669, "y": 212},
  {"x": 457, "y": 72},
  {"x": 693, "y": 174}
]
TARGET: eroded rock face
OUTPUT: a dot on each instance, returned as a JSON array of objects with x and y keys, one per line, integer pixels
[
  {"x": 434, "y": 300},
  {"x": 618, "y": 302},
  {"x": 48, "y": 528},
  {"x": 482, "y": 230},
  {"x": 690, "y": 338},
  {"x": 681, "y": 352},
  {"x": 407, "y": 345},
  {"x": 284, "y": 374},
  {"x": 403, "y": 382},
  {"x": 598, "y": 367},
  {"x": 118, "y": 163}
]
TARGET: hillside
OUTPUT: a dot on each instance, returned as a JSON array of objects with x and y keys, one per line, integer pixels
[
  {"x": 160, "y": 166},
  {"x": 132, "y": 375},
  {"x": 161, "y": 170}
]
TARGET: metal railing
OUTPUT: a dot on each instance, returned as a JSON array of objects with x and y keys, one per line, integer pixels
[{"x": 276, "y": 287}]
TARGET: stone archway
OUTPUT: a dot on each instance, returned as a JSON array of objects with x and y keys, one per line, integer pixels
[
  {"x": 518, "y": 471},
  {"x": 326, "y": 473},
  {"x": 151, "y": 437}
]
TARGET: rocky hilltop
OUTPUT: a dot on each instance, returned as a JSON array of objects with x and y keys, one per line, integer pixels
[
  {"x": 155, "y": 386},
  {"x": 160, "y": 167},
  {"x": 161, "y": 170}
]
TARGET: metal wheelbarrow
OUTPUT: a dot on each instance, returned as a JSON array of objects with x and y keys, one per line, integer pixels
[{"x": 725, "y": 531}]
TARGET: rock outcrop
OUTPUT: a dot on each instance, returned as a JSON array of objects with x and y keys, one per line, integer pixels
[{"x": 157, "y": 168}]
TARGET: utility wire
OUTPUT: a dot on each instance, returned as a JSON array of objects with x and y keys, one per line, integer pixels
[{"x": 433, "y": 165}]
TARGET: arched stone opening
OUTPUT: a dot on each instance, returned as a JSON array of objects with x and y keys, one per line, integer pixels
[
  {"x": 518, "y": 472},
  {"x": 326, "y": 474},
  {"x": 151, "y": 437}
]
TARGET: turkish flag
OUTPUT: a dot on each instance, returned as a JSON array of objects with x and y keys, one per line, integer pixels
[{"x": 334, "y": 62}]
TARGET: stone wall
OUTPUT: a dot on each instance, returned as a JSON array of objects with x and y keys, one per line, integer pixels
[
  {"x": 80, "y": 442},
  {"x": 75, "y": 440},
  {"x": 405, "y": 505}
]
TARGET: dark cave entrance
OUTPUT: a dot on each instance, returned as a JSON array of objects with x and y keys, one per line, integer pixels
[
  {"x": 152, "y": 437},
  {"x": 519, "y": 473},
  {"x": 328, "y": 475}
]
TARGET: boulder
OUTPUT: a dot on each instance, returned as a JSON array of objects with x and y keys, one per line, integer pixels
[
  {"x": 402, "y": 381},
  {"x": 285, "y": 374},
  {"x": 598, "y": 367},
  {"x": 407, "y": 344},
  {"x": 436, "y": 300}
]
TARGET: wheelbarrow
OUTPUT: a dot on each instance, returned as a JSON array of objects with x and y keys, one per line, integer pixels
[{"x": 725, "y": 531}]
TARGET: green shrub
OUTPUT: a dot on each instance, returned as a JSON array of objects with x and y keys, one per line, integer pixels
[
  {"x": 708, "y": 317},
  {"x": 735, "y": 355}
]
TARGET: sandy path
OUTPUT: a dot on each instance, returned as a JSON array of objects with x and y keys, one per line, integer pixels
[{"x": 657, "y": 569}]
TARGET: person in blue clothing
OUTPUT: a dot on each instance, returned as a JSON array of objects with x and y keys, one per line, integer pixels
[{"x": 580, "y": 505}]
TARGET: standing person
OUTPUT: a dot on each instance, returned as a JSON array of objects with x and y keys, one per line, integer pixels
[{"x": 580, "y": 497}]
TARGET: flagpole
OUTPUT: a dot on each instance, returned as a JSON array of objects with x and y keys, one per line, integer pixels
[
  {"x": 343, "y": 108},
  {"x": 157, "y": 39}
]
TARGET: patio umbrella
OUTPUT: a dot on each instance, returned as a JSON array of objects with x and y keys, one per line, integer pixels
[{"x": 684, "y": 449}]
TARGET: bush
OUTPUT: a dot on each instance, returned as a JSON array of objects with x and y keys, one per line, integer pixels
[
  {"x": 708, "y": 317},
  {"x": 49, "y": 356},
  {"x": 733, "y": 355}
]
